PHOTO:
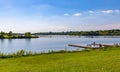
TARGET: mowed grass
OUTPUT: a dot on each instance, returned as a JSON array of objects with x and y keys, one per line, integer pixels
[{"x": 93, "y": 61}]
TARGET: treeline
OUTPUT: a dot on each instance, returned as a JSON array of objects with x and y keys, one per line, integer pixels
[
  {"x": 114, "y": 32},
  {"x": 11, "y": 35}
]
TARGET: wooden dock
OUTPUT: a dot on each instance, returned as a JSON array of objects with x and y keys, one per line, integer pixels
[
  {"x": 107, "y": 45},
  {"x": 92, "y": 46},
  {"x": 86, "y": 47}
]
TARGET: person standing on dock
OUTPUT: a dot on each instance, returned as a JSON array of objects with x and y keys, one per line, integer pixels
[{"x": 94, "y": 44}]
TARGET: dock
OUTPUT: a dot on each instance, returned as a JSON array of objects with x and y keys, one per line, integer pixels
[
  {"x": 93, "y": 46},
  {"x": 73, "y": 45},
  {"x": 85, "y": 47},
  {"x": 107, "y": 45}
]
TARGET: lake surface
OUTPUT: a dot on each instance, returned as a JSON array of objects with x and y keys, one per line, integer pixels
[{"x": 49, "y": 43}]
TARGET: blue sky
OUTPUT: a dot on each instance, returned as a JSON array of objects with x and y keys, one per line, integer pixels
[{"x": 59, "y": 15}]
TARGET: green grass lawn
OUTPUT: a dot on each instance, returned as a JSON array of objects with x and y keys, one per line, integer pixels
[{"x": 93, "y": 61}]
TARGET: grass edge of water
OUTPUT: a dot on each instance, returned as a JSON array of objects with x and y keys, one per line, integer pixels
[{"x": 23, "y": 53}]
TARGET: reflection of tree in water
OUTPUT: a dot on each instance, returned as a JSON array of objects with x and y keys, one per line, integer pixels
[
  {"x": 2, "y": 41},
  {"x": 2, "y": 49},
  {"x": 10, "y": 45},
  {"x": 28, "y": 43},
  {"x": 10, "y": 41},
  {"x": 28, "y": 40},
  {"x": 50, "y": 36}
]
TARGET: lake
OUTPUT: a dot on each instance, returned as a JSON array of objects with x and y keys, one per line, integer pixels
[{"x": 49, "y": 43}]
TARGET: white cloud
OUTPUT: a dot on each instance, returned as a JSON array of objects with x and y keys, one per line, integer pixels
[
  {"x": 110, "y": 11},
  {"x": 94, "y": 27},
  {"x": 77, "y": 14},
  {"x": 117, "y": 11},
  {"x": 66, "y": 14},
  {"x": 91, "y": 12},
  {"x": 107, "y": 11},
  {"x": 107, "y": 26},
  {"x": 58, "y": 28},
  {"x": 35, "y": 23}
]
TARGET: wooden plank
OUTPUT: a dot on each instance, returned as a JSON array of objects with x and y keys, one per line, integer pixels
[
  {"x": 78, "y": 46},
  {"x": 87, "y": 47}
]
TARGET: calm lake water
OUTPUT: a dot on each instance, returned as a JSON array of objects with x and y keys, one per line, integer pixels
[{"x": 47, "y": 43}]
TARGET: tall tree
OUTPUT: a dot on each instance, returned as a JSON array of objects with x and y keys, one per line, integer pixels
[
  {"x": 28, "y": 34},
  {"x": 10, "y": 33}
]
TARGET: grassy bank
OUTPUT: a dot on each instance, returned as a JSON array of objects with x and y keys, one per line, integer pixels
[{"x": 107, "y": 60}]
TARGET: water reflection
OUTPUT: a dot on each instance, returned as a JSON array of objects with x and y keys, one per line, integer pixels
[
  {"x": 10, "y": 41},
  {"x": 2, "y": 41},
  {"x": 28, "y": 44},
  {"x": 28, "y": 40},
  {"x": 46, "y": 43}
]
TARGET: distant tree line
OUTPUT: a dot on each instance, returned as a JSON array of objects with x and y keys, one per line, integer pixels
[
  {"x": 114, "y": 32},
  {"x": 11, "y": 35}
]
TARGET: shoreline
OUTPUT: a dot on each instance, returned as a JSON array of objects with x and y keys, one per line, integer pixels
[{"x": 23, "y": 53}]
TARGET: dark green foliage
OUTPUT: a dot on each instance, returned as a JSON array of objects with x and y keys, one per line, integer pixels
[
  {"x": 115, "y": 32},
  {"x": 2, "y": 34},
  {"x": 28, "y": 34},
  {"x": 20, "y": 53},
  {"x": 12, "y": 35}
]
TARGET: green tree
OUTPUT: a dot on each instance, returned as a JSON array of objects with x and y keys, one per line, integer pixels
[
  {"x": 10, "y": 33},
  {"x": 2, "y": 34},
  {"x": 28, "y": 34}
]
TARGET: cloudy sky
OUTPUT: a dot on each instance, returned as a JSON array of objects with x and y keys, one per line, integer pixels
[{"x": 59, "y": 15}]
